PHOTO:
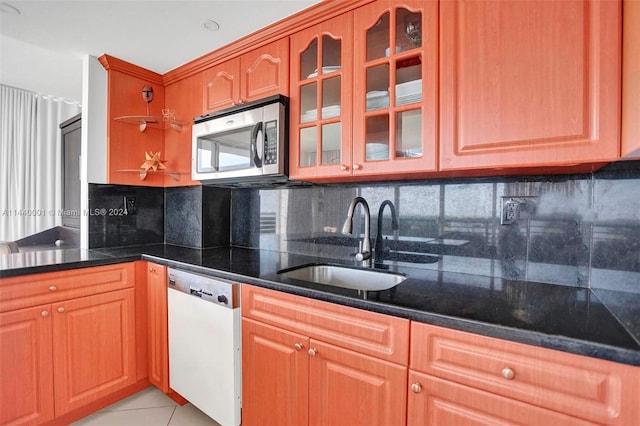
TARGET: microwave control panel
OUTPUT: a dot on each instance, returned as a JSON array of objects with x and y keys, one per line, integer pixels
[{"x": 270, "y": 142}]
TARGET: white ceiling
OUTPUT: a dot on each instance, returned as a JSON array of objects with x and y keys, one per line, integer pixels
[{"x": 42, "y": 47}]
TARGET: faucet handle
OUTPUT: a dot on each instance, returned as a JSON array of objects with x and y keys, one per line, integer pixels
[{"x": 362, "y": 254}]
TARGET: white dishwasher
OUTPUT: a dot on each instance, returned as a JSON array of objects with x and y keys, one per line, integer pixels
[{"x": 204, "y": 343}]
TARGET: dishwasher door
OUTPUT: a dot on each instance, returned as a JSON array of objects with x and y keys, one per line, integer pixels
[{"x": 204, "y": 355}]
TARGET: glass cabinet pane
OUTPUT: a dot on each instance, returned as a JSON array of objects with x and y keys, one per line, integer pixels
[
  {"x": 331, "y": 142},
  {"x": 408, "y": 134},
  {"x": 308, "y": 102},
  {"x": 331, "y": 97},
  {"x": 331, "y": 54},
  {"x": 377, "y": 87},
  {"x": 378, "y": 39},
  {"x": 408, "y": 30},
  {"x": 377, "y": 137},
  {"x": 308, "y": 146},
  {"x": 309, "y": 61},
  {"x": 408, "y": 81}
]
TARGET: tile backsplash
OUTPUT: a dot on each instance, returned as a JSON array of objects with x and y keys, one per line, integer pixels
[{"x": 576, "y": 230}]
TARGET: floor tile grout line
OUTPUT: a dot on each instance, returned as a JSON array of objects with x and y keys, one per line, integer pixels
[{"x": 172, "y": 413}]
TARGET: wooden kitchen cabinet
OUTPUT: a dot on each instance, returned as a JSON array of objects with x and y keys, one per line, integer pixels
[
  {"x": 631, "y": 80},
  {"x": 458, "y": 376},
  {"x": 321, "y": 102},
  {"x": 67, "y": 340},
  {"x": 275, "y": 378},
  {"x": 312, "y": 362},
  {"x": 254, "y": 75},
  {"x": 93, "y": 348},
  {"x": 529, "y": 83},
  {"x": 157, "y": 320},
  {"x": 26, "y": 376},
  {"x": 395, "y": 93}
]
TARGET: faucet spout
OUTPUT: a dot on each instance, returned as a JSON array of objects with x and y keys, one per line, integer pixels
[
  {"x": 379, "y": 249},
  {"x": 364, "y": 249}
]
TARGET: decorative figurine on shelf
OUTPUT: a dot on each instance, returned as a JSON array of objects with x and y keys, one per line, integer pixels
[{"x": 152, "y": 162}]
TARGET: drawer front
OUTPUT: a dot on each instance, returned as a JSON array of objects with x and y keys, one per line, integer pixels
[
  {"x": 589, "y": 388},
  {"x": 378, "y": 335},
  {"x": 438, "y": 402},
  {"x": 38, "y": 289}
]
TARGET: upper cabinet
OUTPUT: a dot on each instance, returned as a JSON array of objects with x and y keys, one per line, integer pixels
[
  {"x": 364, "y": 94},
  {"x": 320, "y": 107},
  {"x": 529, "y": 83},
  {"x": 254, "y": 75},
  {"x": 631, "y": 80},
  {"x": 396, "y": 87}
]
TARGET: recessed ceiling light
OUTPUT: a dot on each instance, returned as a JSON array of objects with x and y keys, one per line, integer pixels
[
  {"x": 9, "y": 9},
  {"x": 209, "y": 25}
]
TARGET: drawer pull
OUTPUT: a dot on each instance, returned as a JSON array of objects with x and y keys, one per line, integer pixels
[
  {"x": 52, "y": 288},
  {"x": 298, "y": 346},
  {"x": 312, "y": 352},
  {"x": 44, "y": 313},
  {"x": 508, "y": 373},
  {"x": 416, "y": 388},
  {"x": 61, "y": 309}
]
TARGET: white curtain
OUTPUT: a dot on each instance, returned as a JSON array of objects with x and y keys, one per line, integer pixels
[{"x": 30, "y": 161}]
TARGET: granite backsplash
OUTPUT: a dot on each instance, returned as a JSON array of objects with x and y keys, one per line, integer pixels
[{"x": 576, "y": 230}]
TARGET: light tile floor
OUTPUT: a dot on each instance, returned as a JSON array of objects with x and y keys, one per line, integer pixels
[{"x": 149, "y": 407}]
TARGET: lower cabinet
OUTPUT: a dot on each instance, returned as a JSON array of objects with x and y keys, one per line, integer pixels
[
  {"x": 157, "y": 321},
  {"x": 463, "y": 378},
  {"x": 62, "y": 355},
  {"x": 26, "y": 373},
  {"x": 298, "y": 368}
]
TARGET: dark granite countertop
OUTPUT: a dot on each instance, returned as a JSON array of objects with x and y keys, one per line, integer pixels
[{"x": 571, "y": 319}]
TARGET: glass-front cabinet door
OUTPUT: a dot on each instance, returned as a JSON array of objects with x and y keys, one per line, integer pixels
[
  {"x": 395, "y": 88},
  {"x": 320, "y": 105}
]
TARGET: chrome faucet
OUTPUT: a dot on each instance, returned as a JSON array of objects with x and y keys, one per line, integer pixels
[
  {"x": 379, "y": 250},
  {"x": 364, "y": 247}
]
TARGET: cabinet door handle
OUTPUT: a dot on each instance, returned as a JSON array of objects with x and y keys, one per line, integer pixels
[
  {"x": 357, "y": 166},
  {"x": 52, "y": 288},
  {"x": 44, "y": 313},
  {"x": 508, "y": 373},
  {"x": 61, "y": 309},
  {"x": 152, "y": 269},
  {"x": 298, "y": 346},
  {"x": 344, "y": 167},
  {"x": 312, "y": 352},
  {"x": 416, "y": 388}
]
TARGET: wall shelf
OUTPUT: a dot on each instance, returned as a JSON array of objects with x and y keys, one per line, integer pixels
[
  {"x": 142, "y": 121},
  {"x": 175, "y": 175}
]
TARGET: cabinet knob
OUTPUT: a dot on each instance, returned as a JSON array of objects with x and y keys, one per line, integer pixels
[
  {"x": 344, "y": 167},
  {"x": 298, "y": 346},
  {"x": 61, "y": 309},
  {"x": 416, "y": 388},
  {"x": 44, "y": 313},
  {"x": 508, "y": 373},
  {"x": 312, "y": 352},
  {"x": 357, "y": 166},
  {"x": 52, "y": 288},
  {"x": 152, "y": 269}
]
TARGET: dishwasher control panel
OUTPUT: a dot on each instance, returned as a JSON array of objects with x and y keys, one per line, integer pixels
[{"x": 214, "y": 290}]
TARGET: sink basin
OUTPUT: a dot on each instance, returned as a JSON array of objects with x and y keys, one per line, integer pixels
[{"x": 345, "y": 277}]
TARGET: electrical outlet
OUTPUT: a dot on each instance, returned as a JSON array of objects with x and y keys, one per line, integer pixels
[
  {"x": 130, "y": 205},
  {"x": 516, "y": 208}
]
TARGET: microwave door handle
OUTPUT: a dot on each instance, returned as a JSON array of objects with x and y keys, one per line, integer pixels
[{"x": 255, "y": 156}]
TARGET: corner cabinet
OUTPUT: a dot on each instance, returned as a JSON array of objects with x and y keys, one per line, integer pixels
[
  {"x": 529, "y": 83},
  {"x": 253, "y": 75},
  {"x": 311, "y": 362}
]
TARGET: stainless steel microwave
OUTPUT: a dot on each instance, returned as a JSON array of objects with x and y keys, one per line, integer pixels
[{"x": 245, "y": 143}]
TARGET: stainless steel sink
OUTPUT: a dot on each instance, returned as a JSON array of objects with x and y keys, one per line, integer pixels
[{"x": 345, "y": 277}]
